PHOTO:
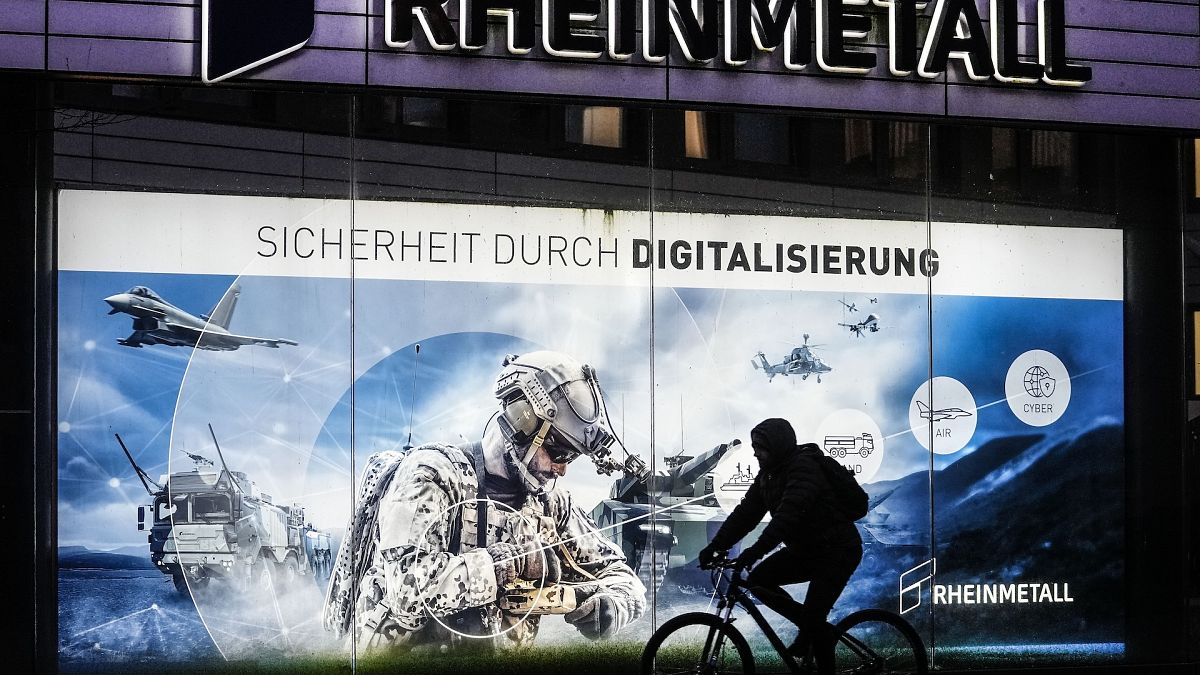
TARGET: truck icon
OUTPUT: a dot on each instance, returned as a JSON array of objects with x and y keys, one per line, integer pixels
[
  {"x": 839, "y": 447},
  {"x": 207, "y": 524}
]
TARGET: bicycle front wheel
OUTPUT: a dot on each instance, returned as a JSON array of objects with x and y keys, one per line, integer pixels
[
  {"x": 697, "y": 644},
  {"x": 879, "y": 642}
]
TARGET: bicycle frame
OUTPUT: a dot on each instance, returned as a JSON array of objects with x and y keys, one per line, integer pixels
[
  {"x": 902, "y": 646},
  {"x": 736, "y": 595}
]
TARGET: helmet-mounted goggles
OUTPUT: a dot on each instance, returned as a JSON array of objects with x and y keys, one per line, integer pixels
[{"x": 559, "y": 402}]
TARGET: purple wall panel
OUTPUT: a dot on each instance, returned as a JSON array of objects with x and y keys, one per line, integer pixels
[
  {"x": 342, "y": 6},
  {"x": 1119, "y": 78},
  {"x": 99, "y": 55},
  {"x": 566, "y": 78},
  {"x": 1139, "y": 16},
  {"x": 341, "y": 31},
  {"x": 188, "y": 3},
  {"x": 985, "y": 102},
  {"x": 23, "y": 16},
  {"x": 22, "y": 51},
  {"x": 316, "y": 65},
  {"x": 1150, "y": 17},
  {"x": 104, "y": 19},
  {"x": 895, "y": 96},
  {"x": 1085, "y": 45}
]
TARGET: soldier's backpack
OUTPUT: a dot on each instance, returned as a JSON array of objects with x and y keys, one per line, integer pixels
[{"x": 848, "y": 496}]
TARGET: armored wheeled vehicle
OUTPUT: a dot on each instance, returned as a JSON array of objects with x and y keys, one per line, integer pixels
[{"x": 210, "y": 523}]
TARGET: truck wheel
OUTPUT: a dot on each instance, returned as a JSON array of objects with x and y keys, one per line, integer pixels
[
  {"x": 289, "y": 569},
  {"x": 260, "y": 576}
]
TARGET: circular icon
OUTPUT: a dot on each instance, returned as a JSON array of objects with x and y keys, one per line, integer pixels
[
  {"x": 851, "y": 437},
  {"x": 1038, "y": 388},
  {"x": 941, "y": 415},
  {"x": 733, "y": 476}
]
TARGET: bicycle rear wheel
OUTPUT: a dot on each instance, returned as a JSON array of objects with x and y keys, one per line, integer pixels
[
  {"x": 879, "y": 642},
  {"x": 697, "y": 643}
]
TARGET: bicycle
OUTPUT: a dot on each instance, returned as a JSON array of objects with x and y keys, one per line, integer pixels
[{"x": 869, "y": 641}]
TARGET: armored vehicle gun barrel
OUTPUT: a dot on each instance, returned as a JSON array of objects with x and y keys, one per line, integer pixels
[
  {"x": 685, "y": 475},
  {"x": 664, "y": 516},
  {"x": 679, "y": 481}
]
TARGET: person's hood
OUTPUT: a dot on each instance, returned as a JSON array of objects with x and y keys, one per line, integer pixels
[{"x": 777, "y": 439}]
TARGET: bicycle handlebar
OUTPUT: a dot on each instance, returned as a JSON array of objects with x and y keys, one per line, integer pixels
[{"x": 722, "y": 563}]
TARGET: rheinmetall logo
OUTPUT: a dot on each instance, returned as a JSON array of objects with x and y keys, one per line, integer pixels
[{"x": 237, "y": 35}]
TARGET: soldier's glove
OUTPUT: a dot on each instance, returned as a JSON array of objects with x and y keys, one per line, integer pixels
[
  {"x": 596, "y": 617},
  {"x": 752, "y": 554},
  {"x": 710, "y": 555},
  {"x": 513, "y": 562}
]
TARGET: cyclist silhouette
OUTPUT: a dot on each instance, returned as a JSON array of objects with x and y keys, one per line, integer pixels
[{"x": 820, "y": 545}]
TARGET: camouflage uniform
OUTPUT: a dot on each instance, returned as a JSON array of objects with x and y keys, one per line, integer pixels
[{"x": 415, "y": 550}]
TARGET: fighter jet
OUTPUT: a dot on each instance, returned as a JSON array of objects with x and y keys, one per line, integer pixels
[
  {"x": 942, "y": 414},
  {"x": 158, "y": 322}
]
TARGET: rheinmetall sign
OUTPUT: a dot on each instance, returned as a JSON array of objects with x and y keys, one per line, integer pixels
[{"x": 829, "y": 35}]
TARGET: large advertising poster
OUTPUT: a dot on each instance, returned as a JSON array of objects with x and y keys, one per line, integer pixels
[{"x": 310, "y": 429}]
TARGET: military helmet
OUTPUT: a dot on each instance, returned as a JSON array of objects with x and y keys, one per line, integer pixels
[{"x": 549, "y": 399}]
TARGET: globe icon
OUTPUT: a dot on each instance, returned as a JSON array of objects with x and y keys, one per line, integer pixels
[{"x": 1038, "y": 382}]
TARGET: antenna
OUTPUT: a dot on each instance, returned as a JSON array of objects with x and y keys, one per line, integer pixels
[
  {"x": 223, "y": 464},
  {"x": 412, "y": 398},
  {"x": 681, "y": 443},
  {"x": 142, "y": 475}
]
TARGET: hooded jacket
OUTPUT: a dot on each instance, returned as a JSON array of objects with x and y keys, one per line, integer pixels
[{"x": 792, "y": 487}]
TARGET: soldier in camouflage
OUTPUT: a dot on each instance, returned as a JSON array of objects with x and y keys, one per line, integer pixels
[{"x": 449, "y": 543}]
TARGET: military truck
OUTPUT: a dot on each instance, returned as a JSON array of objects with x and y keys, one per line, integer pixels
[
  {"x": 210, "y": 523},
  {"x": 672, "y": 538}
]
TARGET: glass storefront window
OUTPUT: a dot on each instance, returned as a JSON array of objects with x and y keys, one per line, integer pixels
[{"x": 941, "y": 308}]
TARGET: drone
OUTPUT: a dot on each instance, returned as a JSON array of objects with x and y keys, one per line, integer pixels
[{"x": 869, "y": 324}]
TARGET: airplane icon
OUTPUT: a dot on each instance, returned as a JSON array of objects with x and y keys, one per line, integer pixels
[
  {"x": 158, "y": 322},
  {"x": 942, "y": 414}
]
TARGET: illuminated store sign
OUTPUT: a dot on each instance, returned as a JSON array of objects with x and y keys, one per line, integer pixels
[
  {"x": 906, "y": 349},
  {"x": 237, "y": 36},
  {"x": 919, "y": 581},
  {"x": 1000, "y": 594},
  {"x": 571, "y": 30}
]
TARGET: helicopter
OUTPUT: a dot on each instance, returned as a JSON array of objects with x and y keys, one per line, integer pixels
[
  {"x": 800, "y": 361},
  {"x": 869, "y": 324}
]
